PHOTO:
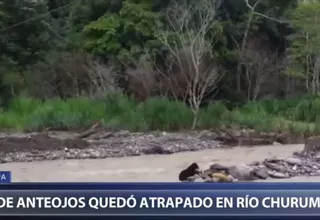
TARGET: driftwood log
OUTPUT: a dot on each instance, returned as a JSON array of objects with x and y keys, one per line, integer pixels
[{"x": 94, "y": 129}]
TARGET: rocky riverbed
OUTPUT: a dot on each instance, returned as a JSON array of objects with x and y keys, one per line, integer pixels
[
  {"x": 27, "y": 147},
  {"x": 42, "y": 146},
  {"x": 62, "y": 145},
  {"x": 304, "y": 163}
]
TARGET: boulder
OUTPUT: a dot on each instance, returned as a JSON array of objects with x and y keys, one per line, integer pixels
[
  {"x": 261, "y": 173},
  {"x": 293, "y": 161},
  {"x": 242, "y": 172}
]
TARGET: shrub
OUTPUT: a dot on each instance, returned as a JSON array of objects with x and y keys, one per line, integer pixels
[{"x": 119, "y": 111}]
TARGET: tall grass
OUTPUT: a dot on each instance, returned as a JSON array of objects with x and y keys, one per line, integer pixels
[{"x": 122, "y": 112}]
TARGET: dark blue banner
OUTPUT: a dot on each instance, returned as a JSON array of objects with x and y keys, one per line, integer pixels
[
  {"x": 5, "y": 176},
  {"x": 161, "y": 199}
]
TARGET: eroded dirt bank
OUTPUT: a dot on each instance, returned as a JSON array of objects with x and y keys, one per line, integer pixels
[
  {"x": 145, "y": 168},
  {"x": 20, "y": 147}
]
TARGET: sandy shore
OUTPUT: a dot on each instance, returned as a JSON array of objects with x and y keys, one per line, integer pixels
[{"x": 152, "y": 168}]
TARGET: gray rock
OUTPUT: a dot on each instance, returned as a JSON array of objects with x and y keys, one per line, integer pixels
[
  {"x": 232, "y": 179},
  {"x": 273, "y": 159},
  {"x": 199, "y": 180},
  {"x": 317, "y": 173},
  {"x": 208, "y": 180},
  {"x": 7, "y": 160},
  {"x": 276, "y": 167},
  {"x": 308, "y": 169},
  {"x": 298, "y": 154},
  {"x": 207, "y": 137},
  {"x": 207, "y": 173},
  {"x": 218, "y": 167},
  {"x": 317, "y": 156},
  {"x": 294, "y": 168},
  {"x": 242, "y": 172},
  {"x": 195, "y": 178},
  {"x": 261, "y": 173},
  {"x": 278, "y": 175},
  {"x": 293, "y": 161},
  {"x": 254, "y": 163}
]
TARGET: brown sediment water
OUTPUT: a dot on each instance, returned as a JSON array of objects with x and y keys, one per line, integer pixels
[{"x": 145, "y": 168}]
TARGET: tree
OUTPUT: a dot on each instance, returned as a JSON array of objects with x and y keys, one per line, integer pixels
[
  {"x": 305, "y": 49},
  {"x": 84, "y": 12},
  {"x": 260, "y": 64},
  {"x": 23, "y": 40},
  {"x": 23, "y": 35},
  {"x": 123, "y": 35},
  {"x": 248, "y": 19},
  {"x": 253, "y": 11},
  {"x": 189, "y": 38},
  {"x": 60, "y": 24}
]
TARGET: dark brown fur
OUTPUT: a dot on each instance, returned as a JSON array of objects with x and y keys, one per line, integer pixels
[{"x": 190, "y": 171}]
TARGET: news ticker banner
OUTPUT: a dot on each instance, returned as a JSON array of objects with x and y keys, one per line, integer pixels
[
  {"x": 160, "y": 199},
  {"x": 5, "y": 176}
]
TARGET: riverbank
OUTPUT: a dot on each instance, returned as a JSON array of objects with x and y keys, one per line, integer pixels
[
  {"x": 98, "y": 143},
  {"x": 145, "y": 168}
]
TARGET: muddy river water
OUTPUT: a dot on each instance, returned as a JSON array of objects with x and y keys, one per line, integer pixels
[{"x": 148, "y": 168}]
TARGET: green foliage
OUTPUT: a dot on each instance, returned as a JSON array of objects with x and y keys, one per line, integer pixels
[
  {"x": 24, "y": 45},
  {"x": 305, "y": 42},
  {"x": 33, "y": 42},
  {"x": 122, "y": 36},
  {"x": 61, "y": 115},
  {"x": 85, "y": 11},
  {"x": 163, "y": 114},
  {"x": 122, "y": 112},
  {"x": 214, "y": 115},
  {"x": 27, "y": 33}
]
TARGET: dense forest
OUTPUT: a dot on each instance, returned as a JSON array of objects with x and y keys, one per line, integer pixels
[{"x": 160, "y": 64}]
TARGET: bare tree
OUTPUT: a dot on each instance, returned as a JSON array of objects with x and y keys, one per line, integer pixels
[
  {"x": 243, "y": 44},
  {"x": 312, "y": 78},
  {"x": 260, "y": 63},
  {"x": 142, "y": 82},
  {"x": 102, "y": 79},
  {"x": 190, "y": 39},
  {"x": 68, "y": 75}
]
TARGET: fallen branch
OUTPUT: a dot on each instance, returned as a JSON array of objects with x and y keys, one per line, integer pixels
[{"x": 90, "y": 131}]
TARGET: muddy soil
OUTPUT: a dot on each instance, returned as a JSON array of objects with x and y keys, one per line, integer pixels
[
  {"x": 39, "y": 142},
  {"x": 19, "y": 147},
  {"x": 27, "y": 147}
]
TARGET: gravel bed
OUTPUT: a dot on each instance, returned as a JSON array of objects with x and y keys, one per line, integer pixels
[
  {"x": 38, "y": 147},
  {"x": 305, "y": 163}
]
